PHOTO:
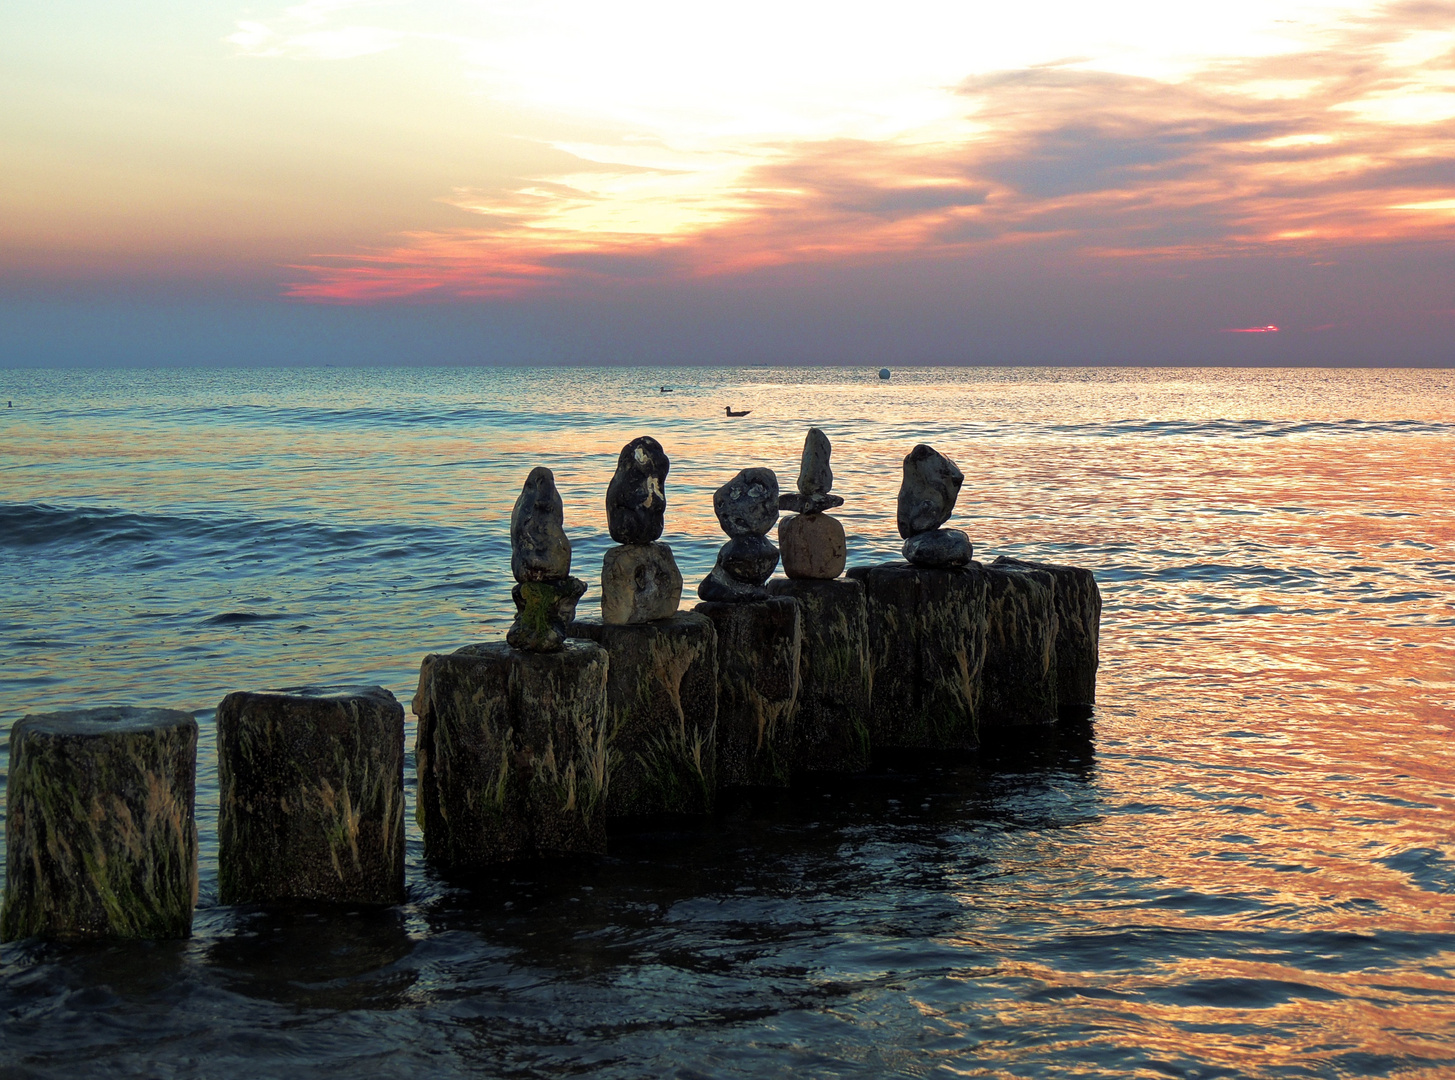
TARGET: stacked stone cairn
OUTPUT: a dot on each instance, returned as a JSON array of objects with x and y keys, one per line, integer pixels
[
  {"x": 661, "y": 686},
  {"x": 926, "y": 500},
  {"x": 835, "y": 680},
  {"x": 513, "y": 753},
  {"x": 639, "y": 578},
  {"x": 545, "y": 593},
  {"x": 759, "y": 637}
]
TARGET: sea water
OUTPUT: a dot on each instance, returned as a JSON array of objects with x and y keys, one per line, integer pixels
[{"x": 1243, "y": 865}]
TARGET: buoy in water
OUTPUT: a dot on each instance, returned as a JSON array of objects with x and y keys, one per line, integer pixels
[{"x": 884, "y": 373}]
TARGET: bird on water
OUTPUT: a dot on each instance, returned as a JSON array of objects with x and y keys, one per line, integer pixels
[{"x": 743, "y": 413}]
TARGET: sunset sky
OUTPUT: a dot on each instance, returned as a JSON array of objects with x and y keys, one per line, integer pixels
[{"x": 559, "y": 181}]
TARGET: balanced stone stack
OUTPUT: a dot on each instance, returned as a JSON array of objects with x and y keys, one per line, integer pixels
[
  {"x": 312, "y": 796},
  {"x": 513, "y": 752},
  {"x": 927, "y": 620},
  {"x": 661, "y": 685},
  {"x": 639, "y": 578},
  {"x": 759, "y": 638},
  {"x": 545, "y": 593},
  {"x": 100, "y": 833},
  {"x": 831, "y": 721}
]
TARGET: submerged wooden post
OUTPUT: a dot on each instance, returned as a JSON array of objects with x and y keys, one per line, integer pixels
[
  {"x": 512, "y": 754},
  {"x": 661, "y": 709},
  {"x": 1020, "y": 673},
  {"x": 312, "y": 796},
  {"x": 100, "y": 834}
]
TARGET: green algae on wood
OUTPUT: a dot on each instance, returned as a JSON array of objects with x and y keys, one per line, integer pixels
[
  {"x": 100, "y": 834},
  {"x": 1078, "y": 632},
  {"x": 312, "y": 796},
  {"x": 758, "y": 650},
  {"x": 927, "y": 640},
  {"x": 513, "y": 754},
  {"x": 661, "y": 699},
  {"x": 836, "y": 679}
]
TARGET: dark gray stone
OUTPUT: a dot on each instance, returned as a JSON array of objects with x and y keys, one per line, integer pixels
[
  {"x": 1078, "y": 633},
  {"x": 939, "y": 548},
  {"x": 1020, "y": 674},
  {"x": 513, "y": 754},
  {"x": 539, "y": 548},
  {"x": 312, "y": 796},
  {"x": 758, "y": 647},
  {"x": 815, "y": 477},
  {"x": 661, "y": 705},
  {"x": 928, "y": 492},
  {"x": 795, "y": 503},
  {"x": 749, "y": 559},
  {"x": 748, "y": 503},
  {"x": 639, "y": 583},
  {"x": 721, "y": 587},
  {"x": 927, "y": 641},
  {"x": 543, "y": 609},
  {"x": 636, "y": 498},
  {"x": 836, "y": 680},
  {"x": 100, "y": 834}
]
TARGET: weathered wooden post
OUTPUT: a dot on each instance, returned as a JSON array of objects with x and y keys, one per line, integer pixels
[
  {"x": 312, "y": 796},
  {"x": 759, "y": 638},
  {"x": 835, "y": 677},
  {"x": 513, "y": 752},
  {"x": 1020, "y": 673},
  {"x": 1078, "y": 633},
  {"x": 661, "y": 683},
  {"x": 100, "y": 834}
]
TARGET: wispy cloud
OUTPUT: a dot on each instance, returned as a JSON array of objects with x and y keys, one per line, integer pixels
[{"x": 1346, "y": 136}]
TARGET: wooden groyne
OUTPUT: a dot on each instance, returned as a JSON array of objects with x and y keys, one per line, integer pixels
[{"x": 525, "y": 747}]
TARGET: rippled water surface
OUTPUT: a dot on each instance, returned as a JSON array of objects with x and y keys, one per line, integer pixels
[{"x": 1242, "y": 866}]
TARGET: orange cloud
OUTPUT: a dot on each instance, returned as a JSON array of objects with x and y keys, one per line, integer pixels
[{"x": 1349, "y": 142}]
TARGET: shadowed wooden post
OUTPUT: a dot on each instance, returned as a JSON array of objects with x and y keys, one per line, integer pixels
[
  {"x": 1078, "y": 633},
  {"x": 312, "y": 796},
  {"x": 100, "y": 835}
]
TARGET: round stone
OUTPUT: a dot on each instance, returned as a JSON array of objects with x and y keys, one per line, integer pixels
[
  {"x": 939, "y": 548},
  {"x": 747, "y": 505},
  {"x": 813, "y": 546},
  {"x": 636, "y": 499},
  {"x": 749, "y": 559}
]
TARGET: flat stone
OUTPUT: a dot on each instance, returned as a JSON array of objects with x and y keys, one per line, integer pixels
[
  {"x": 721, "y": 587},
  {"x": 1020, "y": 672},
  {"x": 543, "y": 609},
  {"x": 513, "y": 754},
  {"x": 636, "y": 498},
  {"x": 813, "y": 546},
  {"x": 661, "y": 705},
  {"x": 927, "y": 646},
  {"x": 928, "y": 492},
  {"x": 795, "y": 503},
  {"x": 758, "y": 646},
  {"x": 100, "y": 833},
  {"x": 940, "y": 548},
  {"x": 312, "y": 796},
  {"x": 815, "y": 477},
  {"x": 831, "y": 722},
  {"x": 539, "y": 548},
  {"x": 750, "y": 559},
  {"x": 1078, "y": 632},
  {"x": 747, "y": 504},
  {"x": 639, "y": 583}
]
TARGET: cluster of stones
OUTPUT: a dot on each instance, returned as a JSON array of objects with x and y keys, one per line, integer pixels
[
  {"x": 926, "y": 500},
  {"x": 526, "y": 746}
]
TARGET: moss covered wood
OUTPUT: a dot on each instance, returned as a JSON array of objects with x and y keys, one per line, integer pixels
[
  {"x": 927, "y": 635},
  {"x": 1078, "y": 633},
  {"x": 312, "y": 795},
  {"x": 100, "y": 834},
  {"x": 661, "y": 702},
  {"x": 836, "y": 680},
  {"x": 758, "y": 649},
  {"x": 1020, "y": 673},
  {"x": 513, "y": 753}
]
